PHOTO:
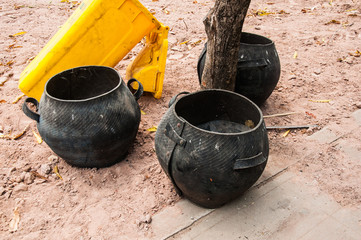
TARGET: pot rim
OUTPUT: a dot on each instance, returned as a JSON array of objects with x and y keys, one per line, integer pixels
[
  {"x": 85, "y": 99},
  {"x": 260, "y": 122},
  {"x": 257, "y": 44}
]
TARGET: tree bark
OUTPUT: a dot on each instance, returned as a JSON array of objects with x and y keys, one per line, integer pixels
[{"x": 223, "y": 25}]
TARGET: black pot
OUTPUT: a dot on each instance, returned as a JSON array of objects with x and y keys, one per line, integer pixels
[
  {"x": 205, "y": 148},
  {"x": 87, "y": 115},
  {"x": 258, "y": 69}
]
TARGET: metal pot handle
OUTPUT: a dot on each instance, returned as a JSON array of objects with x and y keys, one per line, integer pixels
[
  {"x": 253, "y": 161},
  {"x": 261, "y": 63},
  {"x": 31, "y": 114},
  {"x": 174, "y": 98},
  {"x": 139, "y": 91}
]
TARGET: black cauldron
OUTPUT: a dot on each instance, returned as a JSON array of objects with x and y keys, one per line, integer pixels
[
  {"x": 213, "y": 145},
  {"x": 87, "y": 115},
  {"x": 258, "y": 68}
]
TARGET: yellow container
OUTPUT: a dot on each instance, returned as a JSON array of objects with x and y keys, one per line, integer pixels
[{"x": 102, "y": 32}]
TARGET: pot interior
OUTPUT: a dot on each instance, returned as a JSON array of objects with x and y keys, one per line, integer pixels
[
  {"x": 82, "y": 83},
  {"x": 219, "y": 111},
  {"x": 249, "y": 38}
]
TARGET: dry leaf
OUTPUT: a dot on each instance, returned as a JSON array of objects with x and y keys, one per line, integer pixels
[
  {"x": 320, "y": 101},
  {"x": 18, "y": 34},
  {"x": 295, "y": 55},
  {"x": 2, "y": 101},
  {"x": 56, "y": 171},
  {"x": 166, "y": 11},
  {"x": 18, "y": 98},
  {"x": 142, "y": 112},
  {"x": 286, "y": 133},
  {"x": 38, "y": 175},
  {"x": 37, "y": 137},
  {"x": 310, "y": 114},
  {"x": 249, "y": 123},
  {"x": 4, "y": 81},
  {"x": 12, "y": 46},
  {"x": 355, "y": 54},
  {"x": 185, "y": 42},
  {"x": 14, "y": 223},
  {"x": 333, "y": 21},
  {"x": 197, "y": 42},
  {"x": 10, "y": 63},
  {"x": 17, "y": 136},
  {"x": 152, "y": 129}
]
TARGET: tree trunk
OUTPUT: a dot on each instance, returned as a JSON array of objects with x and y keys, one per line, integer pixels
[{"x": 223, "y": 25}]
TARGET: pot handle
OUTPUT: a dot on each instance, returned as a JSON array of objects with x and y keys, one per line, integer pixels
[
  {"x": 253, "y": 161},
  {"x": 252, "y": 63},
  {"x": 139, "y": 91},
  {"x": 31, "y": 114},
  {"x": 174, "y": 98},
  {"x": 174, "y": 136}
]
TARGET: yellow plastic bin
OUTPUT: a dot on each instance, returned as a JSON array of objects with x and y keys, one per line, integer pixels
[{"x": 102, "y": 32}]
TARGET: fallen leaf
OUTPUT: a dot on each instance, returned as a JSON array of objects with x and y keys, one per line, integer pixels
[
  {"x": 2, "y": 101},
  {"x": 333, "y": 21},
  {"x": 286, "y": 133},
  {"x": 197, "y": 42},
  {"x": 14, "y": 223},
  {"x": 142, "y": 112},
  {"x": 18, "y": 98},
  {"x": 152, "y": 129},
  {"x": 3, "y": 82},
  {"x": 320, "y": 101},
  {"x": 355, "y": 54},
  {"x": 249, "y": 123},
  {"x": 56, "y": 171},
  {"x": 185, "y": 42},
  {"x": 38, "y": 175},
  {"x": 295, "y": 55},
  {"x": 310, "y": 114},
  {"x": 17, "y": 136},
  {"x": 166, "y": 11},
  {"x": 37, "y": 137},
  {"x": 10, "y": 63},
  {"x": 18, "y": 34},
  {"x": 12, "y": 46}
]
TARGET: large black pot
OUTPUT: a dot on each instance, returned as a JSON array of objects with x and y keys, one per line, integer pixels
[
  {"x": 205, "y": 147},
  {"x": 258, "y": 68},
  {"x": 87, "y": 115}
]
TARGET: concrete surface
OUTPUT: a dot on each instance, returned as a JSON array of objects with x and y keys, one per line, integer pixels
[
  {"x": 284, "y": 207},
  {"x": 281, "y": 205}
]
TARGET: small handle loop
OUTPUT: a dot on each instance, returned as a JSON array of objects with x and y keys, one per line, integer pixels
[
  {"x": 139, "y": 92},
  {"x": 174, "y": 98},
  {"x": 31, "y": 114},
  {"x": 253, "y": 161}
]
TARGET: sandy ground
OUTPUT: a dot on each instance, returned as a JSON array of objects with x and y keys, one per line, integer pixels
[{"x": 317, "y": 42}]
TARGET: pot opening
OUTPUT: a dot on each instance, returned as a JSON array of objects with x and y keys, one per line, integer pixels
[
  {"x": 249, "y": 38},
  {"x": 82, "y": 83},
  {"x": 219, "y": 111}
]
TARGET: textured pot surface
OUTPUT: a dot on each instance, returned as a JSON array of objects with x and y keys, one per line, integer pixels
[
  {"x": 88, "y": 116},
  {"x": 258, "y": 69},
  {"x": 208, "y": 152}
]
